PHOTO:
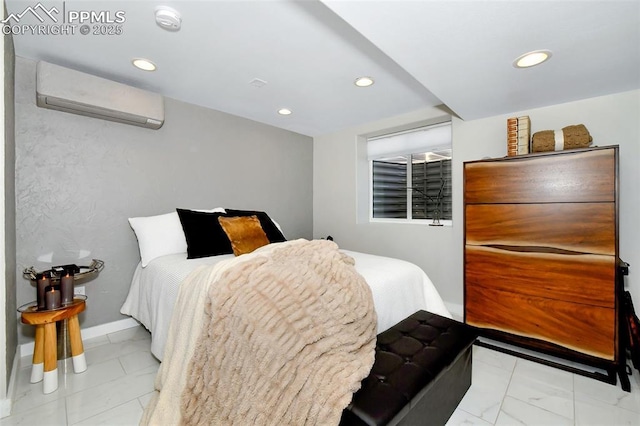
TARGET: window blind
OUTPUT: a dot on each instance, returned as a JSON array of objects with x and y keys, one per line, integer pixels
[
  {"x": 389, "y": 190},
  {"x": 431, "y": 190},
  {"x": 411, "y": 173},
  {"x": 427, "y": 139}
]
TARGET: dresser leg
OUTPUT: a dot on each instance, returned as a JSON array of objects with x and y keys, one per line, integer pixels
[{"x": 624, "y": 379}]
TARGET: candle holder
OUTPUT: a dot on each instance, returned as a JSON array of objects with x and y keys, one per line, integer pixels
[
  {"x": 81, "y": 273},
  {"x": 63, "y": 276}
]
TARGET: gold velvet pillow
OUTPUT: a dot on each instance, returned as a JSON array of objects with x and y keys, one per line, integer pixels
[{"x": 244, "y": 232}]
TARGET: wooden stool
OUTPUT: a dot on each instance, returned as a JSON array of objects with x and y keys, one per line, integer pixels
[{"x": 45, "y": 352}]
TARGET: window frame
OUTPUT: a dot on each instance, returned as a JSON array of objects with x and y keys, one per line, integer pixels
[{"x": 409, "y": 219}]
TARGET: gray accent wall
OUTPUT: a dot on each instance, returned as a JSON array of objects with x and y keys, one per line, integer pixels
[{"x": 78, "y": 179}]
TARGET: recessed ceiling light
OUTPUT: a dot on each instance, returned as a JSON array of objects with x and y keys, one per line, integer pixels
[
  {"x": 363, "y": 81},
  {"x": 532, "y": 58},
  {"x": 284, "y": 111},
  {"x": 144, "y": 64}
]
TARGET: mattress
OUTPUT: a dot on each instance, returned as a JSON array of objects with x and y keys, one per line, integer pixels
[{"x": 399, "y": 289}]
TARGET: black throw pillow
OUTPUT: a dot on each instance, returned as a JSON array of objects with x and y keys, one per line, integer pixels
[
  {"x": 273, "y": 233},
  {"x": 205, "y": 237}
]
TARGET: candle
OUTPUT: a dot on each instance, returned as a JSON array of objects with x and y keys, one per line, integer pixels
[
  {"x": 42, "y": 282},
  {"x": 52, "y": 298},
  {"x": 66, "y": 287}
]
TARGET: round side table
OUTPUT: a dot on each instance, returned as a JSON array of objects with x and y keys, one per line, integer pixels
[{"x": 45, "y": 353}]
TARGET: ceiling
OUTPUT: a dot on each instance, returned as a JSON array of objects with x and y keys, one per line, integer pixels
[{"x": 420, "y": 53}]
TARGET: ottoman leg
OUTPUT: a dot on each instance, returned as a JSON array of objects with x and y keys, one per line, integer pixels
[
  {"x": 37, "y": 369},
  {"x": 77, "y": 349},
  {"x": 50, "y": 358}
]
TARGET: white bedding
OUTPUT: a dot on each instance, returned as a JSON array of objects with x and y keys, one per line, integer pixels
[{"x": 399, "y": 289}]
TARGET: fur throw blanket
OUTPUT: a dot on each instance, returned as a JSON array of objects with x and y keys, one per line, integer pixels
[{"x": 285, "y": 337}]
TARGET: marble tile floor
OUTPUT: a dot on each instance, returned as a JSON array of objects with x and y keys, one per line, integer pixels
[{"x": 506, "y": 391}]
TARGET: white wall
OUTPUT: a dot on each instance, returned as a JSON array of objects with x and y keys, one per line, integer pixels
[{"x": 611, "y": 120}]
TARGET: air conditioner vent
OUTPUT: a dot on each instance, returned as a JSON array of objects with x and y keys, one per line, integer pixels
[{"x": 75, "y": 92}]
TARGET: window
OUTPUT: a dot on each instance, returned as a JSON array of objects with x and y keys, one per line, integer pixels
[{"x": 411, "y": 174}]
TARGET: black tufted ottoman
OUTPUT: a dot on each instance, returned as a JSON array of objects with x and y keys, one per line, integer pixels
[{"x": 421, "y": 372}]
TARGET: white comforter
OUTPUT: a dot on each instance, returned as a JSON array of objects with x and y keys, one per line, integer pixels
[{"x": 399, "y": 289}]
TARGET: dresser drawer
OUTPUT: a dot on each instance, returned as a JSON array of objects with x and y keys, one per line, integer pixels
[
  {"x": 589, "y": 330},
  {"x": 581, "y": 176},
  {"x": 582, "y": 279},
  {"x": 580, "y": 227}
]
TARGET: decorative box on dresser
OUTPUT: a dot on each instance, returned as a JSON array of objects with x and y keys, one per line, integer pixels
[{"x": 541, "y": 257}]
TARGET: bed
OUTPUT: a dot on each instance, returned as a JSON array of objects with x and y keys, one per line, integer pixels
[
  {"x": 251, "y": 326},
  {"x": 399, "y": 289}
]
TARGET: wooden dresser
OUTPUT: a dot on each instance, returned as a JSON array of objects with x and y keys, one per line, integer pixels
[{"x": 541, "y": 253}]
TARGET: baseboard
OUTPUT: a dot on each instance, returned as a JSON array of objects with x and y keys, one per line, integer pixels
[
  {"x": 26, "y": 349},
  {"x": 456, "y": 309}
]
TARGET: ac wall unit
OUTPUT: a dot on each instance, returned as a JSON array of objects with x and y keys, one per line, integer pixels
[{"x": 73, "y": 91}]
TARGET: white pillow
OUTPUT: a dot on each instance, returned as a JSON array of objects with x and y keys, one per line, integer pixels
[
  {"x": 277, "y": 226},
  {"x": 160, "y": 235},
  {"x": 216, "y": 210}
]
